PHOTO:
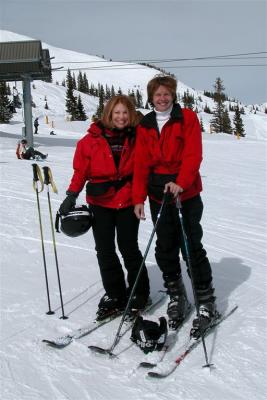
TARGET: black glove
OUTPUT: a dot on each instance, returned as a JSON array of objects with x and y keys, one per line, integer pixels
[{"x": 68, "y": 203}]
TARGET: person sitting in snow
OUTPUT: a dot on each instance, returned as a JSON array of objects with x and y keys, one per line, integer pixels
[{"x": 25, "y": 152}]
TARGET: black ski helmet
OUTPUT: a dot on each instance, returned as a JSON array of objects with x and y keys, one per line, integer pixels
[
  {"x": 149, "y": 335},
  {"x": 76, "y": 222}
]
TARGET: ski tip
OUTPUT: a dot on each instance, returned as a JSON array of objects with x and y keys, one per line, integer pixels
[
  {"x": 53, "y": 344},
  {"x": 57, "y": 345},
  {"x": 153, "y": 374},
  {"x": 100, "y": 350},
  {"x": 145, "y": 364}
]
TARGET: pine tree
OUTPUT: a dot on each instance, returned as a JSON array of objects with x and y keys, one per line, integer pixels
[
  {"x": 207, "y": 109},
  {"x": 217, "y": 122},
  {"x": 139, "y": 99},
  {"x": 80, "y": 115},
  {"x": 107, "y": 93},
  {"x": 5, "y": 104},
  {"x": 92, "y": 90},
  {"x": 188, "y": 100},
  {"x": 147, "y": 105},
  {"x": 85, "y": 83},
  {"x": 74, "y": 81},
  {"x": 80, "y": 82},
  {"x": 226, "y": 122},
  {"x": 238, "y": 123},
  {"x": 112, "y": 91},
  {"x": 201, "y": 125},
  {"x": 100, "y": 107},
  {"x": 71, "y": 102}
]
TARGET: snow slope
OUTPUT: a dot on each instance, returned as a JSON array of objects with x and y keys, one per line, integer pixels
[{"x": 234, "y": 223}]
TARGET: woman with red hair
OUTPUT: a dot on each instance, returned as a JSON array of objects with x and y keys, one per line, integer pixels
[{"x": 104, "y": 158}]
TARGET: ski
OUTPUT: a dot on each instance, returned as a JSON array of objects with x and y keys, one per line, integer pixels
[
  {"x": 63, "y": 341},
  {"x": 166, "y": 369},
  {"x": 127, "y": 325}
]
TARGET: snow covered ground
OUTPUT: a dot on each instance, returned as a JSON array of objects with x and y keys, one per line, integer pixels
[{"x": 234, "y": 222}]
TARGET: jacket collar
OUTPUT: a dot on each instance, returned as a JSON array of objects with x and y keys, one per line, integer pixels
[
  {"x": 150, "y": 121},
  {"x": 98, "y": 129}
]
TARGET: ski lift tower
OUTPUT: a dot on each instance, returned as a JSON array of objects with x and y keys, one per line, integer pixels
[{"x": 25, "y": 61}]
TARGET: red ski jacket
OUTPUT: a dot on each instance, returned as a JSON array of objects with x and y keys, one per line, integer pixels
[
  {"x": 93, "y": 162},
  {"x": 176, "y": 150}
]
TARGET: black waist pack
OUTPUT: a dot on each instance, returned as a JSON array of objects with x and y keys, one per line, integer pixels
[
  {"x": 156, "y": 183},
  {"x": 100, "y": 188}
]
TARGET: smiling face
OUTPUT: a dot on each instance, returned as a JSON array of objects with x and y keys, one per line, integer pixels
[
  {"x": 120, "y": 116},
  {"x": 162, "y": 98}
]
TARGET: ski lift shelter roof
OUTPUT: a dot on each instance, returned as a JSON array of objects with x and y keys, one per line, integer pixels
[{"x": 24, "y": 58}]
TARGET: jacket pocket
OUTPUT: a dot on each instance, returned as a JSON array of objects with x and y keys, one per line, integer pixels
[{"x": 97, "y": 189}]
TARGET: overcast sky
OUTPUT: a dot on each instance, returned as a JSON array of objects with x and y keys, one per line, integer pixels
[{"x": 149, "y": 29}]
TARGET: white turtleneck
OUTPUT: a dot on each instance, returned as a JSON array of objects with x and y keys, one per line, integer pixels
[{"x": 162, "y": 117}]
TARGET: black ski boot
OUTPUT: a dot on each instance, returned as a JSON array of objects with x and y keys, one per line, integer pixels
[
  {"x": 109, "y": 306},
  {"x": 138, "y": 303},
  {"x": 179, "y": 306},
  {"x": 207, "y": 311}
]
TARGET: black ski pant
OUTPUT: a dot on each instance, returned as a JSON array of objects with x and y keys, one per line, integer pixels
[
  {"x": 31, "y": 153},
  {"x": 170, "y": 242},
  {"x": 123, "y": 224}
]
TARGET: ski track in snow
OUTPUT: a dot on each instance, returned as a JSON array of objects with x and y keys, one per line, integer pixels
[{"x": 234, "y": 223}]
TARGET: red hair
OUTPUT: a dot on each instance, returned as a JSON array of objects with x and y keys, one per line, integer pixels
[{"x": 109, "y": 107}]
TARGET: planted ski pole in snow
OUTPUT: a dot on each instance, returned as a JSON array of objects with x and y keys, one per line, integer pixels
[
  {"x": 48, "y": 180},
  {"x": 37, "y": 177},
  {"x": 117, "y": 336},
  {"x": 189, "y": 264}
]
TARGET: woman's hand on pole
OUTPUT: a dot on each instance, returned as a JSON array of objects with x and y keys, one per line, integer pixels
[{"x": 172, "y": 188}]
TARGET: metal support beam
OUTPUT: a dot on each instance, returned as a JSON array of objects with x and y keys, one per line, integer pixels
[{"x": 27, "y": 103}]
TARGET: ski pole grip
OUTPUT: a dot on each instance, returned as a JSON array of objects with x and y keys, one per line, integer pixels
[
  {"x": 178, "y": 202},
  {"x": 35, "y": 173},
  {"x": 46, "y": 176},
  {"x": 57, "y": 222}
]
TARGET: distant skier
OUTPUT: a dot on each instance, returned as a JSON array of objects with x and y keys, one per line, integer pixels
[
  {"x": 36, "y": 125},
  {"x": 25, "y": 152}
]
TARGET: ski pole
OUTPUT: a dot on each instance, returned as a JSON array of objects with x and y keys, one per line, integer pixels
[
  {"x": 109, "y": 351},
  {"x": 189, "y": 264},
  {"x": 48, "y": 180},
  {"x": 37, "y": 176}
]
